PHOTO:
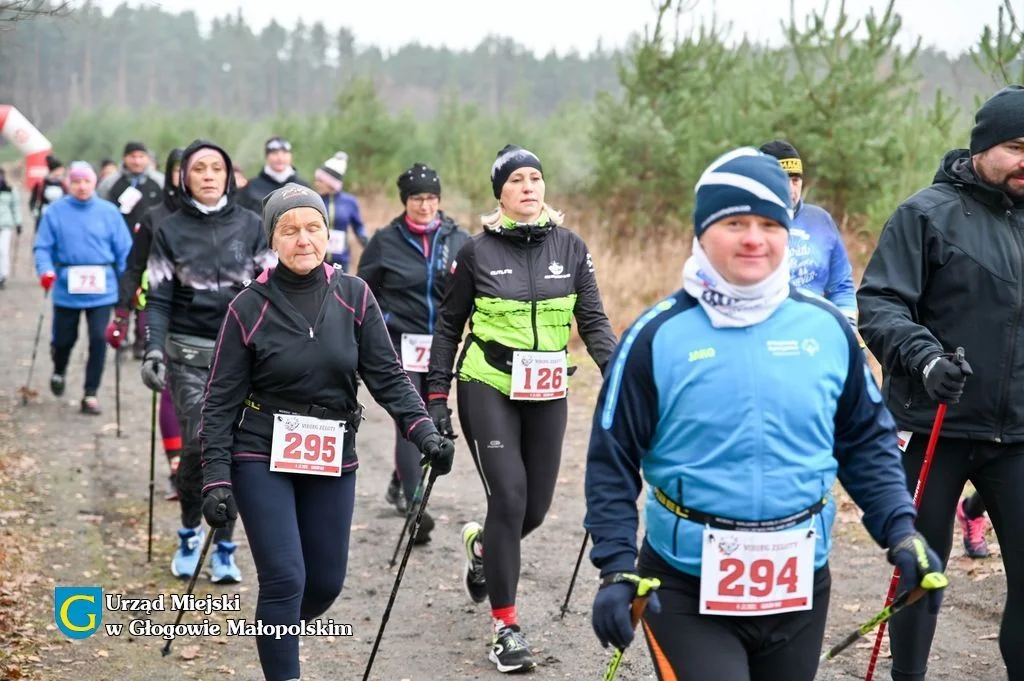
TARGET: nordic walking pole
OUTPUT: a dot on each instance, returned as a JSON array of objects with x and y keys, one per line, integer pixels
[
  {"x": 409, "y": 516},
  {"x": 221, "y": 508},
  {"x": 152, "y": 473},
  {"x": 922, "y": 478},
  {"x": 572, "y": 582},
  {"x": 26, "y": 391},
  {"x": 643, "y": 592},
  {"x": 117, "y": 388},
  {"x": 17, "y": 250},
  {"x": 401, "y": 572},
  {"x": 935, "y": 580}
]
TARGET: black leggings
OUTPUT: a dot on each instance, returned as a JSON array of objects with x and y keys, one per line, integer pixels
[
  {"x": 188, "y": 388},
  {"x": 688, "y": 646},
  {"x": 298, "y": 529},
  {"x": 517, "y": 449},
  {"x": 65, "y": 335},
  {"x": 407, "y": 455},
  {"x": 997, "y": 472}
]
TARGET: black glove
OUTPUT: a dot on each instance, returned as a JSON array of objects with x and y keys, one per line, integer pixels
[
  {"x": 154, "y": 371},
  {"x": 918, "y": 566},
  {"x": 438, "y": 452},
  {"x": 610, "y": 614},
  {"x": 944, "y": 378},
  {"x": 219, "y": 507},
  {"x": 441, "y": 415}
]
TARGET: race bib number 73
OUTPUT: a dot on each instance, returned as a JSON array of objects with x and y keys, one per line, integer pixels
[{"x": 756, "y": 573}]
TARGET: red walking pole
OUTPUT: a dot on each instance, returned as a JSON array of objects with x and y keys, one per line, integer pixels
[{"x": 922, "y": 478}]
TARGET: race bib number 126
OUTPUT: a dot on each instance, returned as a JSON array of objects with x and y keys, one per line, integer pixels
[
  {"x": 303, "y": 444},
  {"x": 538, "y": 375},
  {"x": 756, "y": 573}
]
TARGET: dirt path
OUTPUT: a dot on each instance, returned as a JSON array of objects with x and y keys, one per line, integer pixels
[{"x": 81, "y": 502}]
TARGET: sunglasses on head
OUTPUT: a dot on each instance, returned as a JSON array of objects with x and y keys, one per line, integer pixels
[{"x": 279, "y": 145}]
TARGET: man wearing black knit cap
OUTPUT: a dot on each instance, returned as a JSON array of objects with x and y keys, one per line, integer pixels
[
  {"x": 948, "y": 272},
  {"x": 277, "y": 171}
]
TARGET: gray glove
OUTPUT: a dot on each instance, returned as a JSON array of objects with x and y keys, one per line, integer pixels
[{"x": 154, "y": 370}]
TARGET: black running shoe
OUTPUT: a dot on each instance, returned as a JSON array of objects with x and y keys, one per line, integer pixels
[
  {"x": 473, "y": 571},
  {"x": 57, "y": 385},
  {"x": 394, "y": 495},
  {"x": 510, "y": 652}
]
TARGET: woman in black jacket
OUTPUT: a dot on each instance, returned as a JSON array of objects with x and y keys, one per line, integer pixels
[
  {"x": 407, "y": 265},
  {"x": 280, "y": 418},
  {"x": 201, "y": 255}
]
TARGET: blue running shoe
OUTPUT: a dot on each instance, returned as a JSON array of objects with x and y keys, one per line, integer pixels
[
  {"x": 223, "y": 569},
  {"x": 186, "y": 558}
]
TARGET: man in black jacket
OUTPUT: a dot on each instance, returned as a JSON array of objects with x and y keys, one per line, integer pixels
[
  {"x": 200, "y": 257},
  {"x": 948, "y": 272},
  {"x": 277, "y": 172}
]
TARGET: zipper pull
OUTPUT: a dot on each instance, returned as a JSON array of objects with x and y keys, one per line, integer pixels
[{"x": 311, "y": 332}]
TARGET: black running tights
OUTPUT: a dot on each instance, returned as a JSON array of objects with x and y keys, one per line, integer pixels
[{"x": 517, "y": 448}]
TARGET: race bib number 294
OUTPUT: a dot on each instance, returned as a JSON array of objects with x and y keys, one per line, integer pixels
[{"x": 756, "y": 573}]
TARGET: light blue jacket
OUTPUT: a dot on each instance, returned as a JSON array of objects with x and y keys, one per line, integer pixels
[
  {"x": 10, "y": 209},
  {"x": 817, "y": 258},
  {"x": 751, "y": 423},
  {"x": 74, "y": 232}
]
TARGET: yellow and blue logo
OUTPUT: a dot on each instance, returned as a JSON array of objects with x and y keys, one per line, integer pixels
[{"x": 78, "y": 610}]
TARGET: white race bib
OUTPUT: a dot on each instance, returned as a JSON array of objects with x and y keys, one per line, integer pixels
[
  {"x": 304, "y": 444},
  {"x": 903, "y": 439},
  {"x": 84, "y": 279},
  {"x": 756, "y": 573},
  {"x": 538, "y": 375},
  {"x": 129, "y": 198},
  {"x": 337, "y": 242},
  {"x": 416, "y": 352}
]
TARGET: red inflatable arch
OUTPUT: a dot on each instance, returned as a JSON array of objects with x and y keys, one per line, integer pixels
[{"x": 16, "y": 129}]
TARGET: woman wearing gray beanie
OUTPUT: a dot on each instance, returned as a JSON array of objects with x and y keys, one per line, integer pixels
[
  {"x": 281, "y": 415},
  {"x": 520, "y": 284}
]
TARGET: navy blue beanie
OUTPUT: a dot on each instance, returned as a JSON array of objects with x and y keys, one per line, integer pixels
[
  {"x": 509, "y": 160},
  {"x": 742, "y": 182},
  {"x": 1000, "y": 119}
]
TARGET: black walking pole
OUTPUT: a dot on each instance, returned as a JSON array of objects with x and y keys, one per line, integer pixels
[
  {"x": 398, "y": 577},
  {"x": 409, "y": 516},
  {"x": 152, "y": 473},
  {"x": 117, "y": 388},
  {"x": 572, "y": 582},
  {"x": 26, "y": 390}
]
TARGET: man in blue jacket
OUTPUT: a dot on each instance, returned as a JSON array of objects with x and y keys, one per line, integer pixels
[
  {"x": 817, "y": 256},
  {"x": 740, "y": 401},
  {"x": 81, "y": 250}
]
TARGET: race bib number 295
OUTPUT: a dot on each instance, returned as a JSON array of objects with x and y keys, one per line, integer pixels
[
  {"x": 303, "y": 444},
  {"x": 756, "y": 573}
]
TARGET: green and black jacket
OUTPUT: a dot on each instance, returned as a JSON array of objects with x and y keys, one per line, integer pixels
[{"x": 519, "y": 286}]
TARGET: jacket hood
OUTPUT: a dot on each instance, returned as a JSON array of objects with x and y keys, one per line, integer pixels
[
  {"x": 186, "y": 195},
  {"x": 170, "y": 191},
  {"x": 957, "y": 169}
]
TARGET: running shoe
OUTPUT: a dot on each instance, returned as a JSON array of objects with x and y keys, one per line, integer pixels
[
  {"x": 510, "y": 652},
  {"x": 974, "y": 532},
  {"x": 473, "y": 571}
]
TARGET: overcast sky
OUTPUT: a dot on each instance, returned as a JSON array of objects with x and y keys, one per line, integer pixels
[{"x": 542, "y": 25}]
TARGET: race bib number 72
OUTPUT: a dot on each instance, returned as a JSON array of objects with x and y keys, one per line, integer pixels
[{"x": 756, "y": 573}]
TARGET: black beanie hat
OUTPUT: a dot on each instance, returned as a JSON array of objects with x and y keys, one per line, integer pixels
[
  {"x": 52, "y": 162},
  {"x": 787, "y": 155},
  {"x": 419, "y": 179},
  {"x": 509, "y": 160},
  {"x": 132, "y": 147},
  {"x": 283, "y": 199},
  {"x": 999, "y": 119}
]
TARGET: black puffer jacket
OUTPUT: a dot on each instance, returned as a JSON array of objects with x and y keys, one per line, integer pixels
[
  {"x": 408, "y": 273},
  {"x": 948, "y": 272},
  {"x": 261, "y": 185},
  {"x": 198, "y": 263}
]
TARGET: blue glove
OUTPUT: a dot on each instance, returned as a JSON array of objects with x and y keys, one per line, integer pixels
[
  {"x": 610, "y": 615},
  {"x": 919, "y": 566}
]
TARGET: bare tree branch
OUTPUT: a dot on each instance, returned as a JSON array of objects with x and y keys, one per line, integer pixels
[{"x": 20, "y": 10}]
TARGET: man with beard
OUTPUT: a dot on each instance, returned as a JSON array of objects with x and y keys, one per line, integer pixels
[{"x": 948, "y": 272}]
